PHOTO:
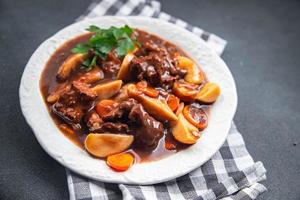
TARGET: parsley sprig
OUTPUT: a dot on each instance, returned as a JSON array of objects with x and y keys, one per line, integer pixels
[{"x": 104, "y": 41}]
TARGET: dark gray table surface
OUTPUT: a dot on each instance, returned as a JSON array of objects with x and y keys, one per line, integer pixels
[{"x": 263, "y": 54}]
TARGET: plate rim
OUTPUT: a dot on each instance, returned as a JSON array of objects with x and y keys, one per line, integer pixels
[{"x": 28, "y": 118}]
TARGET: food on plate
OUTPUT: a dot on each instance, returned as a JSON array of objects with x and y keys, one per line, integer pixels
[
  {"x": 194, "y": 74},
  {"x": 123, "y": 72},
  {"x": 185, "y": 91},
  {"x": 66, "y": 68},
  {"x": 105, "y": 144},
  {"x": 120, "y": 162},
  {"x": 195, "y": 116},
  {"x": 208, "y": 93},
  {"x": 185, "y": 132},
  {"x": 173, "y": 102},
  {"x": 105, "y": 106},
  {"x": 127, "y": 96},
  {"x": 107, "y": 90},
  {"x": 157, "y": 107}
]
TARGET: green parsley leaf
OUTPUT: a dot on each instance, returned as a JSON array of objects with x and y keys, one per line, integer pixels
[
  {"x": 124, "y": 46},
  {"x": 81, "y": 48},
  {"x": 88, "y": 64},
  {"x": 94, "y": 60},
  {"x": 106, "y": 40},
  {"x": 93, "y": 28},
  {"x": 127, "y": 30}
]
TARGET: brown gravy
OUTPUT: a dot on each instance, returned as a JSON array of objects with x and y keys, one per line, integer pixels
[{"x": 48, "y": 84}]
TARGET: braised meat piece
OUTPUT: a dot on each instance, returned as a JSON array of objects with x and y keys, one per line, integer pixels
[
  {"x": 113, "y": 127},
  {"x": 158, "y": 68},
  {"x": 111, "y": 65},
  {"x": 122, "y": 110},
  {"x": 73, "y": 103},
  {"x": 148, "y": 47},
  {"x": 93, "y": 121},
  {"x": 83, "y": 91},
  {"x": 97, "y": 125},
  {"x": 71, "y": 115},
  {"x": 148, "y": 131}
]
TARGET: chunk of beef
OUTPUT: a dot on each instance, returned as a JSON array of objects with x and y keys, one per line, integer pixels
[
  {"x": 147, "y": 48},
  {"x": 93, "y": 121},
  {"x": 148, "y": 131},
  {"x": 83, "y": 91},
  {"x": 122, "y": 110},
  {"x": 96, "y": 124},
  {"x": 112, "y": 64},
  {"x": 73, "y": 103},
  {"x": 71, "y": 115},
  {"x": 113, "y": 127},
  {"x": 158, "y": 68}
]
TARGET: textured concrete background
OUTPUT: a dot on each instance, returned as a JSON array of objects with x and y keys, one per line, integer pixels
[{"x": 263, "y": 54}]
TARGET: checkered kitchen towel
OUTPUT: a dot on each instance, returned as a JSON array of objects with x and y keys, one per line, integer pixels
[{"x": 231, "y": 174}]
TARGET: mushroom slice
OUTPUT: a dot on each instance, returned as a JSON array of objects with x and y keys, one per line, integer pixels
[
  {"x": 208, "y": 93},
  {"x": 124, "y": 69},
  {"x": 69, "y": 64},
  {"x": 105, "y": 144},
  {"x": 107, "y": 90},
  {"x": 122, "y": 95},
  {"x": 92, "y": 76},
  {"x": 184, "y": 132},
  {"x": 194, "y": 74},
  {"x": 185, "y": 91},
  {"x": 159, "y": 109}
]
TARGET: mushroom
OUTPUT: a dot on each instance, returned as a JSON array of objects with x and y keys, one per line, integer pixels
[
  {"x": 194, "y": 74},
  {"x": 69, "y": 64},
  {"x": 159, "y": 109},
  {"x": 184, "y": 132},
  {"x": 208, "y": 93},
  {"x": 122, "y": 95},
  {"x": 107, "y": 90},
  {"x": 92, "y": 76},
  {"x": 185, "y": 91},
  {"x": 105, "y": 144},
  {"x": 124, "y": 69}
]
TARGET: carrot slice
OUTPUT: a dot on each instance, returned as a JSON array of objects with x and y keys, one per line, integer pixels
[
  {"x": 170, "y": 146},
  {"x": 65, "y": 128},
  {"x": 196, "y": 116},
  {"x": 105, "y": 106},
  {"x": 173, "y": 102},
  {"x": 149, "y": 91},
  {"x": 121, "y": 161},
  {"x": 142, "y": 85}
]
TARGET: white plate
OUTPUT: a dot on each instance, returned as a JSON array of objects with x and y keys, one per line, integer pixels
[{"x": 76, "y": 159}]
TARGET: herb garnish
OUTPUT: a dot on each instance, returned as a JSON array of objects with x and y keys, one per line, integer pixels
[{"x": 104, "y": 41}]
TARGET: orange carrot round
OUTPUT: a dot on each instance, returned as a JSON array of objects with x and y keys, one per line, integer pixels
[
  {"x": 121, "y": 161},
  {"x": 149, "y": 91},
  {"x": 196, "y": 116},
  {"x": 105, "y": 106},
  {"x": 173, "y": 102},
  {"x": 142, "y": 85}
]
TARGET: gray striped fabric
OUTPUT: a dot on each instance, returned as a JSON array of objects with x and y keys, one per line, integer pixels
[{"x": 231, "y": 174}]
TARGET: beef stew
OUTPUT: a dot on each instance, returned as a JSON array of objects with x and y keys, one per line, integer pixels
[{"x": 150, "y": 100}]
